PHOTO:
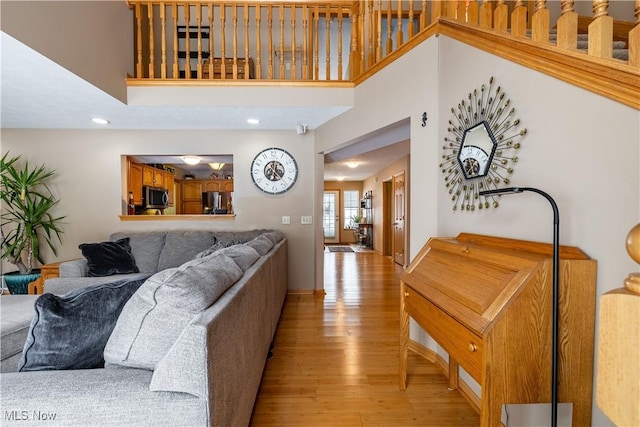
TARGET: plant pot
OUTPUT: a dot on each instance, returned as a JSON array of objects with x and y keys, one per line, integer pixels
[{"x": 18, "y": 283}]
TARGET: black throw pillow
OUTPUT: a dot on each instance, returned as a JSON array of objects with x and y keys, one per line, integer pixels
[
  {"x": 108, "y": 258},
  {"x": 72, "y": 330}
]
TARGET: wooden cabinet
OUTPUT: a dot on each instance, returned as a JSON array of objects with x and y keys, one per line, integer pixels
[
  {"x": 192, "y": 197},
  {"x": 134, "y": 185},
  {"x": 153, "y": 177},
  {"x": 487, "y": 301},
  {"x": 167, "y": 181}
]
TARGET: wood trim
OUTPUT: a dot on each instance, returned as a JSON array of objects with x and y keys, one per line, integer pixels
[
  {"x": 132, "y": 81},
  {"x": 607, "y": 77},
  {"x": 177, "y": 217},
  {"x": 441, "y": 363}
]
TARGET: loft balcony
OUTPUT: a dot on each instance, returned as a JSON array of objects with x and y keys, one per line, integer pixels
[{"x": 341, "y": 43}]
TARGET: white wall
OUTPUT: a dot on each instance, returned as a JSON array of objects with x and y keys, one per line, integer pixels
[
  {"x": 78, "y": 35},
  {"x": 88, "y": 183},
  {"x": 581, "y": 148}
]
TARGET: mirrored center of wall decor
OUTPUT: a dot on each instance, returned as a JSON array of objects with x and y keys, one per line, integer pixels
[
  {"x": 182, "y": 184},
  {"x": 480, "y": 148}
]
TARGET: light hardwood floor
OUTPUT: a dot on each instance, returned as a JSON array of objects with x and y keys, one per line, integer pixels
[{"x": 335, "y": 361}]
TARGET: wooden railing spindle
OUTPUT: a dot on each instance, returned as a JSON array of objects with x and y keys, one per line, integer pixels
[
  {"x": 567, "y": 26},
  {"x": 187, "y": 21},
  {"x": 634, "y": 38},
  {"x": 281, "y": 18},
  {"x": 270, "y": 42},
  {"x": 176, "y": 64},
  {"x": 519, "y": 19},
  {"x": 411, "y": 28},
  {"x": 353, "y": 54},
  {"x": 424, "y": 17},
  {"x": 199, "y": 28},
  {"x": 234, "y": 21},
  {"x": 486, "y": 14},
  {"x": 223, "y": 42},
  {"x": 327, "y": 60},
  {"x": 399, "y": 34},
  {"x": 294, "y": 71},
  {"x": 152, "y": 49},
  {"x": 316, "y": 54},
  {"x": 339, "y": 42},
  {"x": 211, "y": 44},
  {"x": 258, "y": 42},
  {"x": 305, "y": 43},
  {"x": 371, "y": 53},
  {"x": 378, "y": 31},
  {"x": 601, "y": 31},
  {"x": 473, "y": 12},
  {"x": 139, "y": 39},
  {"x": 501, "y": 17},
  {"x": 540, "y": 23},
  {"x": 389, "y": 28},
  {"x": 247, "y": 71}
]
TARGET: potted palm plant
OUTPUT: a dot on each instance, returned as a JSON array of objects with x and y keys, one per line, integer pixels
[{"x": 26, "y": 219}]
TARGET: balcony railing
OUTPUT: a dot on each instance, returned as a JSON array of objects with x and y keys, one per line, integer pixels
[{"x": 307, "y": 41}]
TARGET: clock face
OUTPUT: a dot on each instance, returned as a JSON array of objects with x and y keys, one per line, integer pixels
[
  {"x": 476, "y": 151},
  {"x": 274, "y": 171}
]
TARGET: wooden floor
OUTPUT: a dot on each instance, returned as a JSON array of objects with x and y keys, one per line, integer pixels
[{"x": 335, "y": 361}]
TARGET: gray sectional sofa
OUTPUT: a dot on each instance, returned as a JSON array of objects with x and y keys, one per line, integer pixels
[{"x": 188, "y": 348}]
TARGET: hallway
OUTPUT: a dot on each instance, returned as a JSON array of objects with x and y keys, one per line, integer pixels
[{"x": 335, "y": 361}]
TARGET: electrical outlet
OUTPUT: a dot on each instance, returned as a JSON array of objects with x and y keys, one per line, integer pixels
[
  {"x": 305, "y": 220},
  {"x": 286, "y": 220}
]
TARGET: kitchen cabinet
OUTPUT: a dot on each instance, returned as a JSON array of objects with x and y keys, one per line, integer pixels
[
  {"x": 167, "y": 181},
  {"x": 134, "y": 184},
  {"x": 191, "y": 191},
  {"x": 153, "y": 177}
]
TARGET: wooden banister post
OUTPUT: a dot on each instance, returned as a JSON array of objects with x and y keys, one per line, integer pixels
[
  {"x": 472, "y": 12},
  {"x": 486, "y": 14},
  {"x": 634, "y": 39},
  {"x": 568, "y": 26},
  {"x": 436, "y": 11},
  {"x": 601, "y": 31},
  {"x": 540, "y": 24},
  {"x": 519, "y": 20},
  {"x": 501, "y": 17},
  {"x": 354, "y": 65}
]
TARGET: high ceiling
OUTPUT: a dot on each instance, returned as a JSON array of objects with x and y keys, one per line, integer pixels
[{"x": 38, "y": 93}]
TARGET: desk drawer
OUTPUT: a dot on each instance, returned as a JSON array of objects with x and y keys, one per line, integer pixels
[{"x": 463, "y": 345}]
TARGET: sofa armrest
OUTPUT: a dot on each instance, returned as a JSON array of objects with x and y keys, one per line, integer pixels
[{"x": 74, "y": 268}]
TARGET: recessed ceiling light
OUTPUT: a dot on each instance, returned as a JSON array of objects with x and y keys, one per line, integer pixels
[
  {"x": 352, "y": 165},
  {"x": 100, "y": 121},
  {"x": 191, "y": 160},
  {"x": 253, "y": 121}
]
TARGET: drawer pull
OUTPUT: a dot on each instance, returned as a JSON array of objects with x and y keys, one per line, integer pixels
[
  {"x": 406, "y": 294},
  {"x": 472, "y": 347}
]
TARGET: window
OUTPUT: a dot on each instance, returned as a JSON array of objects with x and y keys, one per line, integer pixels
[{"x": 351, "y": 208}]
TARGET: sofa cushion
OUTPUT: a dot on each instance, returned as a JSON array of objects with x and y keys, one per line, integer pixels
[
  {"x": 243, "y": 255},
  {"x": 158, "y": 312},
  {"x": 182, "y": 246},
  {"x": 16, "y": 312},
  {"x": 262, "y": 244},
  {"x": 71, "y": 331},
  {"x": 145, "y": 248},
  {"x": 107, "y": 258}
]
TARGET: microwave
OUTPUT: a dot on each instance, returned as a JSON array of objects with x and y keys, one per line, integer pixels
[{"x": 155, "y": 198}]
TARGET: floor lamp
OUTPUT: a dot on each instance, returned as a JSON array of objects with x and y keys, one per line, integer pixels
[{"x": 556, "y": 261}]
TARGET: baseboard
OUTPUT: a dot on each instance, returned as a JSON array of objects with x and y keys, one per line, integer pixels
[
  {"x": 439, "y": 361},
  {"x": 301, "y": 292}
]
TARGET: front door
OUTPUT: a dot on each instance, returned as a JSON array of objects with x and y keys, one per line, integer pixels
[
  {"x": 331, "y": 217},
  {"x": 399, "y": 219}
]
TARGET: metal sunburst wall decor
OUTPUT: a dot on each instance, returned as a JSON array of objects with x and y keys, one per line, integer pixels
[{"x": 480, "y": 148}]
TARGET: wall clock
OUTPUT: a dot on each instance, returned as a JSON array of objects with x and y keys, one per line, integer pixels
[
  {"x": 274, "y": 171},
  {"x": 479, "y": 150}
]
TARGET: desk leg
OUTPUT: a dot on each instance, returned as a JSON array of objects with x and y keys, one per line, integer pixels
[{"x": 404, "y": 339}]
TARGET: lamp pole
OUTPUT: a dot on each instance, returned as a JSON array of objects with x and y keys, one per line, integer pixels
[{"x": 555, "y": 291}]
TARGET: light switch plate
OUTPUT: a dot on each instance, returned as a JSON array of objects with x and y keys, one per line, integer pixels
[
  {"x": 305, "y": 220},
  {"x": 286, "y": 220}
]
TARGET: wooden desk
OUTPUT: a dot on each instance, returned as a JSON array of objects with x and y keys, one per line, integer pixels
[
  {"x": 242, "y": 63},
  {"x": 487, "y": 302},
  {"x": 47, "y": 271}
]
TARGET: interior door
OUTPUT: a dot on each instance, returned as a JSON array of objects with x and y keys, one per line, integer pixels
[
  {"x": 399, "y": 219},
  {"x": 331, "y": 216}
]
